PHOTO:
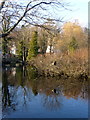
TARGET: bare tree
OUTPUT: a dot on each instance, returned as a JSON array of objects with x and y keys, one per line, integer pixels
[
  {"x": 36, "y": 12},
  {"x": 2, "y": 4}
]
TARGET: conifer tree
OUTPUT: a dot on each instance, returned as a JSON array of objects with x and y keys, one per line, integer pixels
[
  {"x": 73, "y": 45},
  {"x": 33, "y": 50}
]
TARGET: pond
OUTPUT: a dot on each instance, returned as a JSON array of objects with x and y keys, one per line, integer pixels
[{"x": 24, "y": 95}]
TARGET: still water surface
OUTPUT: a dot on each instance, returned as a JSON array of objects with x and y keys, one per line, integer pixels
[{"x": 28, "y": 96}]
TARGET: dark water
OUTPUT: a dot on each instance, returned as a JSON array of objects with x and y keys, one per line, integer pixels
[{"x": 27, "y": 96}]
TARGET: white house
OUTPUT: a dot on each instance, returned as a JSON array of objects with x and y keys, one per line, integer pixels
[
  {"x": 13, "y": 49},
  {"x": 48, "y": 49}
]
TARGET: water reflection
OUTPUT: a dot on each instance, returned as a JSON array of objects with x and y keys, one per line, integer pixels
[
  {"x": 21, "y": 86},
  {"x": 52, "y": 102},
  {"x": 0, "y": 93}
]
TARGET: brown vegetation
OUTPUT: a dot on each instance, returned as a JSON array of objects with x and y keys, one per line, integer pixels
[{"x": 60, "y": 64}]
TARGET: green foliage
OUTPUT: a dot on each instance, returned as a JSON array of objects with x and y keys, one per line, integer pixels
[
  {"x": 33, "y": 50},
  {"x": 20, "y": 49},
  {"x": 73, "y": 45}
]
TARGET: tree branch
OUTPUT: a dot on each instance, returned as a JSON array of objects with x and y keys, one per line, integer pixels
[
  {"x": 2, "y": 4},
  {"x": 26, "y": 10}
]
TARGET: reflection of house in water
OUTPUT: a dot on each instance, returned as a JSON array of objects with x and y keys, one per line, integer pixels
[{"x": 13, "y": 71}]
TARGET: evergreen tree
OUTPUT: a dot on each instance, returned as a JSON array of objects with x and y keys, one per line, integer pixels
[
  {"x": 20, "y": 50},
  {"x": 33, "y": 50},
  {"x": 73, "y": 45}
]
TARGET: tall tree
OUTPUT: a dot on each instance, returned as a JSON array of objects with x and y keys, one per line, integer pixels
[
  {"x": 2, "y": 4},
  {"x": 73, "y": 29},
  {"x": 5, "y": 28},
  {"x": 23, "y": 37},
  {"x": 42, "y": 40},
  {"x": 33, "y": 50}
]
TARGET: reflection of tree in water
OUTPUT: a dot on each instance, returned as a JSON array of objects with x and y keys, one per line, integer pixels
[
  {"x": 7, "y": 98},
  {"x": 5, "y": 90},
  {"x": 18, "y": 82},
  {"x": 32, "y": 79},
  {"x": 31, "y": 72},
  {"x": 51, "y": 102},
  {"x": 14, "y": 91},
  {"x": 51, "y": 93},
  {"x": 84, "y": 91},
  {"x": 34, "y": 90},
  {"x": 73, "y": 88}
]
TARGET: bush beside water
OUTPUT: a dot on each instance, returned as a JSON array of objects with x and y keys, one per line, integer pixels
[{"x": 68, "y": 65}]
